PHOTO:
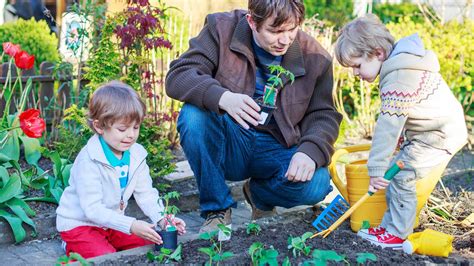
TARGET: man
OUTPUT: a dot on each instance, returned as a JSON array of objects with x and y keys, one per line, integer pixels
[{"x": 225, "y": 68}]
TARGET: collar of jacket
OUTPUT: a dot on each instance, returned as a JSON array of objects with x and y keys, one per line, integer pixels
[
  {"x": 242, "y": 42},
  {"x": 94, "y": 149}
]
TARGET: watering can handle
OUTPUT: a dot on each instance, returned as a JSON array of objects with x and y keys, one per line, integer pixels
[{"x": 341, "y": 185}]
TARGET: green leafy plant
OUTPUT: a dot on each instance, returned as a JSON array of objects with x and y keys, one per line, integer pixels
[
  {"x": 333, "y": 12},
  {"x": 364, "y": 257},
  {"x": 286, "y": 262},
  {"x": 274, "y": 82},
  {"x": 253, "y": 228},
  {"x": 169, "y": 211},
  {"x": 394, "y": 12},
  {"x": 321, "y": 257},
  {"x": 158, "y": 147},
  {"x": 215, "y": 251},
  {"x": 365, "y": 224},
  {"x": 297, "y": 245},
  {"x": 262, "y": 256},
  {"x": 65, "y": 260},
  {"x": 166, "y": 256}
]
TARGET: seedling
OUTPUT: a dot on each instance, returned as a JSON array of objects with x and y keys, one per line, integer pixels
[
  {"x": 65, "y": 260},
  {"x": 274, "y": 82},
  {"x": 215, "y": 250},
  {"x": 321, "y": 257},
  {"x": 365, "y": 224},
  {"x": 253, "y": 228},
  {"x": 362, "y": 258},
  {"x": 297, "y": 245},
  {"x": 166, "y": 255},
  {"x": 169, "y": 211},
  {"x": 262, "y": 256}
]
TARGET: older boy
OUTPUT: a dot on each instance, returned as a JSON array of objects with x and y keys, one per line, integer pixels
[{"x": 417, "y": 103}]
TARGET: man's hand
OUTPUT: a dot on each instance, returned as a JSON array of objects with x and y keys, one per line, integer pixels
[
  {"x": 301, "y": 168},
  {"x": 146, "y": 231},
  {"x": 377, "y": 183},
  {"x": 241, "y": 107}
]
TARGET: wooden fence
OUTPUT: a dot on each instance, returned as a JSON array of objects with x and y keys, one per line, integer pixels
[{"x": 43, "y": 94}]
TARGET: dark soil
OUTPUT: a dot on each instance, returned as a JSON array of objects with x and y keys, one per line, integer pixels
[{"x": 343, "y": 241}]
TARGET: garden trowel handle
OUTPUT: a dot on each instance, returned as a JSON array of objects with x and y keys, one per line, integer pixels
[{"x": 391, "y": 172}]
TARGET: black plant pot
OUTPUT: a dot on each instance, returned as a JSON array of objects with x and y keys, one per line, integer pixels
[
  {"x": 170, "y": 240},
  {"x": 266, "y": 112}
]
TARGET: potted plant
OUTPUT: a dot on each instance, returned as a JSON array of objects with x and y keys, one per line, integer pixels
[
  {"x": 166, "y": 228},
  {"x": 267, "y": 103}
]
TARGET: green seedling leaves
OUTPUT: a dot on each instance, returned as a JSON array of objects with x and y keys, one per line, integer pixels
[
  {"x": 365, "y": 224},
  {"x": 364, "y": 257}
]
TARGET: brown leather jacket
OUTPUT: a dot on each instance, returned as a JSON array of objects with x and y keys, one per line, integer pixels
[{"x": 221, "y": 59}]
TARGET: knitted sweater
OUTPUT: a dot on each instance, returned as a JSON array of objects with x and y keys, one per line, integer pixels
[{"x": 416, "y": 100}]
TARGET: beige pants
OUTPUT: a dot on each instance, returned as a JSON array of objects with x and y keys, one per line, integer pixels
[{"x": 419, "y": 160}]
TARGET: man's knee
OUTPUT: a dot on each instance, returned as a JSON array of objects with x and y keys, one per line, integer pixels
[
  {"x": 192, "y": 120},
  {"x": 319, "y": 187}
]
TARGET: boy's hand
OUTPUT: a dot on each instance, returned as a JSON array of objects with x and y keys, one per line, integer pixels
[
  {"x": 377, "y": 183},
  {"x": 177, "y": 222},
  {"x": 146, "y": 231}
]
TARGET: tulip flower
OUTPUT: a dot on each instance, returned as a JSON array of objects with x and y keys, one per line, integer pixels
[
  {"x": 24, "y": 61},
  {"x": 11, "y": 49},
  {"x": 31, "y": 124}
]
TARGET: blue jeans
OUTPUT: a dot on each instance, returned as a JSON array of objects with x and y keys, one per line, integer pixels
[{"x": 219, "y": 149}]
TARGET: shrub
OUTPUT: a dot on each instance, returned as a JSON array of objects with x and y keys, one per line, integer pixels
[
  {"x": 34, "y": 37},
  {"x": 335, "y": 12},
  {"x": 395, "y": 12}
]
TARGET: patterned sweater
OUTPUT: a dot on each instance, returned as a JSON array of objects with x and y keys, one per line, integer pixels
[{"x": 416, "y": 101}]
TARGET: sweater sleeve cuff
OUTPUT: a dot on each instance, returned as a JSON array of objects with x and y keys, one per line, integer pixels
[
  {"x": 377, "y": 171},
  {"x": 211, "y": 98},
  {"x": 123, "y": 224},
  {"x": 313, "y": 152}
]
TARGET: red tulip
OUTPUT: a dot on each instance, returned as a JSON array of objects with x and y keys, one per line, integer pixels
[
  {"x": 11, "y": 49},
  {"x": 31, "y": 124},
  {"x": 24, "y": 61}
]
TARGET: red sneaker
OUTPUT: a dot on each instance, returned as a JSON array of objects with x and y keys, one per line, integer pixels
[
  {"x": 374, "y": 231},
  {"x": 385, "y": 240}
]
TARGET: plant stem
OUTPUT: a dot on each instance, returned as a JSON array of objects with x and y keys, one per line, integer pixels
[{"x": 42, "y": 199}]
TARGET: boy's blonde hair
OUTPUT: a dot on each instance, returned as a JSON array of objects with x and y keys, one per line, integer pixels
[
  {"x": 115, "y": 101},
  {"x": 361, "y": 37}
]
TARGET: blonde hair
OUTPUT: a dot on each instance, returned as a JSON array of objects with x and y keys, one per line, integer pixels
[
  {"x": 361, "y": 37},
  {"x": 115, "y": 101}
]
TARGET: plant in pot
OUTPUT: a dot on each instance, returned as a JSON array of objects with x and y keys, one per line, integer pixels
[
  {"x": 166, "y": 228},
  {"x": 267, "y": 103}
]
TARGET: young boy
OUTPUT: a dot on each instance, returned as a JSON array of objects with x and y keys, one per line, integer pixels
[
  {"x": 417, "y": 103},
  {"x": 105, "y": 174}
]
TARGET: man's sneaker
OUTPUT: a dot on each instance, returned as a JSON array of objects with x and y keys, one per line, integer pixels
[
  {"x": 385, "y": 240},
  {"x": 214, "y": 218},
  {"x": 374, "y": 231},
  {"x": 256, "y": 213}
]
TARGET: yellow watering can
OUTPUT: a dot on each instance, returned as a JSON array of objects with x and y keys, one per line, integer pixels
[{"x": 357, "y": 183}]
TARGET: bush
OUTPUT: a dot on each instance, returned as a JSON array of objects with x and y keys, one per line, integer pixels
[
  {"x": 34, "y": 37},
  {"x": 334, "y": 12},
  {"x": 395, "y": 12}
]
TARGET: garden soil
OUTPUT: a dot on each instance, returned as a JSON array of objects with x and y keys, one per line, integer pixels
[{"x": 458, "y": 191}]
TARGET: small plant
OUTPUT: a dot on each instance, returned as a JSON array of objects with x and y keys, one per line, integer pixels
[
  {"x": 169, "y": 211},
  {"x": 166, "y": 255},
  {"x": 362, "y": 258},
  {"x": 215, "y": 250},
  {"x": 65, "y": 260},
  {"x": 321, "y": 257},
  {"x": 274, "y": 82},
  {"x": 262, "y": 256},
  {"x": 297, "y": 245},
  {"x": 365, "y": 224},
  {"x": 253, "y": 228}
]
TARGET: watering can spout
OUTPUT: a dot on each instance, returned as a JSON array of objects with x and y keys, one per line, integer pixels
[{"x": 337, "y": 180}]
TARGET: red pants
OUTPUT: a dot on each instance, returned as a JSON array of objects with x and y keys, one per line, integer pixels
[{"x": 91, "y": 241}]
